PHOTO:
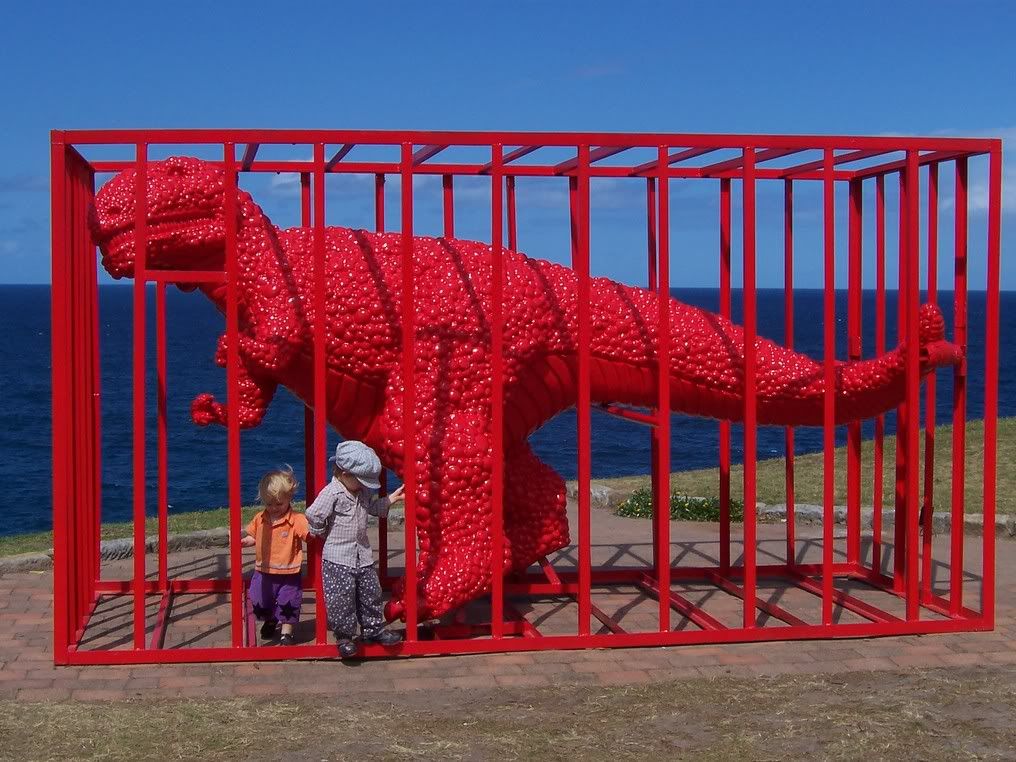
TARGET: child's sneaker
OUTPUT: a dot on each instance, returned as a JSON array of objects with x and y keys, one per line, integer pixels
[
  {"x": 346, "y": 645},
  {"x": 286, "y": 639},
  {"x": 383, "y": 637},
  {"x": 268, "y": 629}
]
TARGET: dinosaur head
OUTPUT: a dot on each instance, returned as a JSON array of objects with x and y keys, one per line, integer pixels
[{"x": 186, "y": 222}]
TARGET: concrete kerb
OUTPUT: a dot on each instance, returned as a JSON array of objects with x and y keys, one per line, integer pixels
[
  {"x": 605, "y": 496},
  {"x": 114, "y": 550}
]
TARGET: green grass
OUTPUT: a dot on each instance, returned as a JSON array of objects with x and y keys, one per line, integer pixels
[
  {"x": 178, "y": 524},
  {"x": 809, "y": 473}
]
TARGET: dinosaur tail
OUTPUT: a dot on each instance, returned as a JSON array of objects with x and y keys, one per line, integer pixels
[
  {"x": 707, "y": 374},
  {"x": 790, "y": 387}
]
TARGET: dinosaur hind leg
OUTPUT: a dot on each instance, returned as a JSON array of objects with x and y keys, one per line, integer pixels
[{"x": 453, "y": 505}]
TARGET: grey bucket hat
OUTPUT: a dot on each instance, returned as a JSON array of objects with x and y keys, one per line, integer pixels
[{"x": 359, "y": 460}]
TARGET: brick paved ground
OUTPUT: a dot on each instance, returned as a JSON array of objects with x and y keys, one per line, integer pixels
[{"x": 27, "y": 671}]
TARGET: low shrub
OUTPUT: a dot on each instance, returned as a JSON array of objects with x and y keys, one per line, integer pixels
[{"x": 682, "y": 507}]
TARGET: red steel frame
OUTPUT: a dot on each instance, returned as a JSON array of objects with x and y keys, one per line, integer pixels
[{"x": 78, "y": 586}]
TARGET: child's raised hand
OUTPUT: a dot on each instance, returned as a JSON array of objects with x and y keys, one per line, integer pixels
[{"x": 396, "y": 495}]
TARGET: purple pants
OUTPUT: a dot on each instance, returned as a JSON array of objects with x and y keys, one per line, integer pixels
[{"x": 276, "y": 597}]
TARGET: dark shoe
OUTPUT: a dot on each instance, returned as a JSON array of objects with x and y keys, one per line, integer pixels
[
  {"x": 383, "y": 637},
  {"x": 347, "y": 648},
  {"x": 286, "y": 639},
  {"x": 268, "y": 629}
]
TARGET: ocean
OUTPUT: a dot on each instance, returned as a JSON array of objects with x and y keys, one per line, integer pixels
[{"x": 197, "y": 456}]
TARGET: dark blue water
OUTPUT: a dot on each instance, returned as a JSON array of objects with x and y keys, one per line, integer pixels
[{"x": 197, "y": 456}]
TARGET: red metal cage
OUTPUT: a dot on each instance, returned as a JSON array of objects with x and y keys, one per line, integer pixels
[{"x": 735, "y": 163}]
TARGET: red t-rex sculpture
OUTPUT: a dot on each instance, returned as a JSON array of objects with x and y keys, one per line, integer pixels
[{"x": 186, "y": 231}]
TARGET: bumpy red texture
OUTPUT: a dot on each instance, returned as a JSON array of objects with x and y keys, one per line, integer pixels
[{"x": 363, "y": 327}]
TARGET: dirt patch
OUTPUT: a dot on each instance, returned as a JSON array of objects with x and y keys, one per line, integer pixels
[{"x": 941, "y": 714}]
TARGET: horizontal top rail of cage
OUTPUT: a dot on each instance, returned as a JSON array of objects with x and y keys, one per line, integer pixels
[
  {"x": 394, "y": 168},
  {"x": 526, "y": 139}
]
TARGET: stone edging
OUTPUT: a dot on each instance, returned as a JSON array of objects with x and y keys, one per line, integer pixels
[{"x": 605, "y": 496}]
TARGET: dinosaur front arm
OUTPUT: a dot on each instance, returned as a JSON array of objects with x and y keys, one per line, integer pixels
[{"x": 254, "y": 394}]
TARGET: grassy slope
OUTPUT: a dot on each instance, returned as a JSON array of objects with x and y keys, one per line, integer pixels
[{"x": 809, "y": 473}]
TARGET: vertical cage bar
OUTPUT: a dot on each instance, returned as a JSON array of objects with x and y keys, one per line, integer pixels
[
  {"x": 382, "y": 523},
  {"x": 854, "y": 349},
  {"x": 449, "y": 205},
  {"x": 928, "y": 503},
  {"x": 725, "y": 242},
  {"x": 913, "y": 376},
  {"x": 899, "y": 509},
  {"x": 829, "y": 366},
  {"x": 309, "y": 455},
  {"x": 654, "y": 434},
  {"x": 90, "y": 389},
  {"x": 88, "y": 539},
  {"x": 160, "y": 363},
  {"x": 96, "y": 431},
  {"x": 379, "y": 203},
  {"x": 320, "y": 439},
  {"x": 750, "y": 385},
  {"x": 140, "y": 278},
  {"x": 663, "y": 343},
  {"x": 878, "y": 465},
  {"x": 497, "y": 391},
  {"x": 233, "y": 396},
  {"x": 83, "y": 519},
  {"x": 579, "y": 187},
  {"x": 74, "y": 356},
  {"x": 513, "y": 236},
  {"x": 409, "y": 383},
  {"x": 788, "y": 337},
  {"x": 991, "y": 346},
  {"x": 959, "y": 434},
  {"x": 382, "y": 532},
  {"x": 94, "y": 394}
]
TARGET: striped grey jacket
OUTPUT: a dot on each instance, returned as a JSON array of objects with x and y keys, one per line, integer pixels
[{"x": 341, "y": 518}]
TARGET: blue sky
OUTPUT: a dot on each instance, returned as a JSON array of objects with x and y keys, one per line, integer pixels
[{"x": 862, "y": 68}]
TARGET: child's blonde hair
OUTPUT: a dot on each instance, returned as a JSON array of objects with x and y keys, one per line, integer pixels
[{"x": 277, "y": 486}]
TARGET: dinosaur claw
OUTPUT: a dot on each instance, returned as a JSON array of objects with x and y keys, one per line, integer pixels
[{"x": 206, "y": 411}]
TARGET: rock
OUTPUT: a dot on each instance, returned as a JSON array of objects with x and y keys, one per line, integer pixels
[
  {"x": 23, "y": 562},
  {"x": 600, "y": 495}
]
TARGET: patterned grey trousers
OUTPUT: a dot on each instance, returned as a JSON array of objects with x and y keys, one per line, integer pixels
[{"x": 352, "y": 595}]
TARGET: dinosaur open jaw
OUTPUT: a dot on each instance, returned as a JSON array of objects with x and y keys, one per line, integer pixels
[{"x": 173, "y": 241}]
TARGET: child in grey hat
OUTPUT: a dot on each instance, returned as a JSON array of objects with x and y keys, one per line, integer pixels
[{"x": 352, "y": 589}]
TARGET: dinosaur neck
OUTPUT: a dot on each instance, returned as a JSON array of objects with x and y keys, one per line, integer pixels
[
  {"x": 256, "y": 241},
  {"x": 255, "y": 235}
]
